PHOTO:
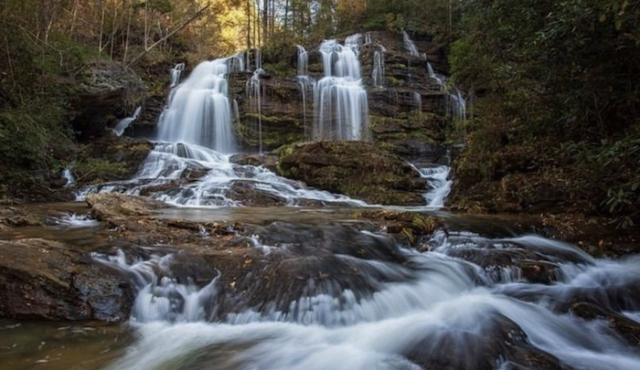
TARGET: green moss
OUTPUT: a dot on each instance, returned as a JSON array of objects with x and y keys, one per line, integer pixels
[{"x": 97, "y": 170}]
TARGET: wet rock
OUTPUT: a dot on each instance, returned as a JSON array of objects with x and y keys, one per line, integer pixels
[
  {"x": 41, "y": 279},
  {"x": 115, "y": 208},
  {"x": 407, "y": 226},
  {"x": 250, "y": 196},
  {"x": 357, "y": 169},
  {"x": 493, "y": 340},
  {"x": 16, "y": 217},
  {"x": 621, "y": 325},
  {"x": 268, "y": 161},
  {"x": 295, "y": 261}
]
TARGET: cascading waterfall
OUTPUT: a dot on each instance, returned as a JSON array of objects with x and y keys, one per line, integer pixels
[
  {"x": 378, "y": 75},
  {"x": 409, "y": 45},
  {"x": 435, "y": 304},
  {"x": 68, "y": 175},
  {"x": 124, "y": 123},
  {"x": 199, "y": 110},
  {"x": 176, "y": 72},
  {"x": 438, "y": 180},
  {"x": 254, "y": 92},
  {"x": 458, "y": 106},
  {"x": 417, "y": 98},
  {"x": 306, "y": 84},
  {"x": 303, "y": 61},
  {"x": 340, "y": 99}
]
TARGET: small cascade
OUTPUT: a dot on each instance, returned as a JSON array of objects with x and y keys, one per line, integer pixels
[
  {"x": 368, "y": 39},
  {"x": 72, "y": 220},
  {"x": 169, "y": 164},
  {"x": 439, "y": 79},
  {"x": 176, "y": 72},
  {"x": 307, "y": 84},
  {"x": 458, "y": 106},
  {"x": 340, "y": 99},
  {"x": 161, "y": 295},
  {"x": 440, "y": 184},
  {"x": 378, "y": 74},
  {"x": 255, "y": 95},
  {"x": 303, "y": 61},
  {"x": 199, "y": 110},
  {"x": 124, "y": 124},
  {"x": 409, "y": 45},
  {"x": 68, "y": 175},
  {"x": 417, "y": 98}
]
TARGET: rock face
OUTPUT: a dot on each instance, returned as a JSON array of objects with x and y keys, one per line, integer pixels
[
  {"x": 357, "y": 169},
  {"x": 40, "y": 279},
  {"x": 110, "y": 158},
  {"x": 103, "y": 90},
  {"x": 282, "y": 114}
]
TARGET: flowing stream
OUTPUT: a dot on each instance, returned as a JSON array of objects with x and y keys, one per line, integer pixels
[{"x": 445, "y": 308}]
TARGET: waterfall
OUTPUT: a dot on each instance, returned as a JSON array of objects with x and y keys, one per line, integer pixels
[
  {"x": 68, "y": 175},
  {"x": 458, "y": 106},
  {"x": 303, "y": 61},
  {"x": 124, "y": 124},
  {"x": 340, "y": 99},
  {"x": 417, "y": 98},
  {"x": 439, "y": 79},
  {"x": 176, "y": 72},
  {"x": 423, "y": 309},
  {"x": 199, "y": 110},
  {"x": 409, "y": 45},
  {"x": 440, "y": 184},
  {"x": 378, "y": 74},
  {"x": 368, "y": 39},
  {"x": 254, "y": 92}
]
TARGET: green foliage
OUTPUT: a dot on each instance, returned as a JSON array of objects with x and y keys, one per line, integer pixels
[
  {"x": 556, "y": 78},
  {"x": 98, "y": 169}
]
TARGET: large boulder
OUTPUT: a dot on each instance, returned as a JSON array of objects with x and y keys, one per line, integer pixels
[
  {"x": 41, "y": 279},
  {"x": 357, "y": 169},
  {"x": 102, "y": 90}
]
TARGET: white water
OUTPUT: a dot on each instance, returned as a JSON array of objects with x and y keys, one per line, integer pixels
[
  {"x": 124, "y": 124},
  {"x": 438, "y": 180},
  {"x": 378, "y": 74},
  {"x": 68, "y": 175},
  {"x": 340, "y": 99},
  {"x": 168, "y": 163},
  {"x": 176, "y": 72},
  {"x": 409, "y": 45},
  {"x": 73, "y": 220},
  {"x": 199, "y": 110},
  {"x": 417, "y": 98},
  {"x": 458, "y": 106},
  {"x": 303, "y": 61},
  {"x": 255, "y": 95},
  {"x": 445, "y": 309}
]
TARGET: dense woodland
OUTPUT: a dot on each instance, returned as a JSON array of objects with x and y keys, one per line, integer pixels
[{"x": 552, "y": 85}]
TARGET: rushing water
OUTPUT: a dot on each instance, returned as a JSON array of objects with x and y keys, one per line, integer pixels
[
  {"x": 256, "y": 99},
  {"x": 199, "y": 110},
  {"x": 378, "y": 75},
  {"x": 342, "y": 109},
  {"x": 447, "y": 308},
  {"x": 124, "y": 123},
  {"x": 176, "y": 73}
]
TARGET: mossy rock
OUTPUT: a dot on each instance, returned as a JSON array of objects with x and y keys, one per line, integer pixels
[{"x": 357, "y": 169}]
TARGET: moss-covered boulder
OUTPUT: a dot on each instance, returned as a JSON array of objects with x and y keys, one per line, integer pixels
[
  {"x": 357, "y": 169},
  {"x": 110, "y": 158}
]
